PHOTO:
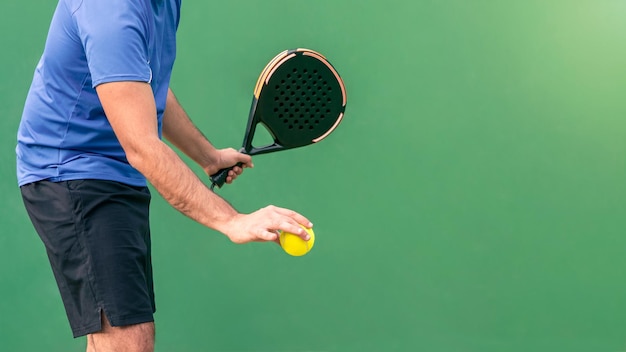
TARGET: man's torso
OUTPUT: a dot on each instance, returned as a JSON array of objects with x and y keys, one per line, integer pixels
[{"x": 64, "y": 133}]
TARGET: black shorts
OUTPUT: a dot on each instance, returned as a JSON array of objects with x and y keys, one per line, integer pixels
[{"x": 97, "y": 237}]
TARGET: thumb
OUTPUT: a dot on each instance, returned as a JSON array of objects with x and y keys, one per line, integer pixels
[
  {"x": 269, "y": 236},
  {"x": 245, "y": 159}
]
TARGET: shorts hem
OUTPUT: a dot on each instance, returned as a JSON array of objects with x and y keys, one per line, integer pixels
[
  {"x": 115, "y": 321},
  {"x": 87, "y": 330},
  {"x": 131, "y": 320}
]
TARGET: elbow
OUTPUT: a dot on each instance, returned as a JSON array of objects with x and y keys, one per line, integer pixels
[
  {"x": 142, "y": 155},
  {"x": 136, "y": 159}
]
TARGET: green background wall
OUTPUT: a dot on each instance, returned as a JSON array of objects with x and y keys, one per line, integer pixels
[{"x": 473, "y": 199}]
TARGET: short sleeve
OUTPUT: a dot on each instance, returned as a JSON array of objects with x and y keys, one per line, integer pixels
[{"x": 115, "y": 35}]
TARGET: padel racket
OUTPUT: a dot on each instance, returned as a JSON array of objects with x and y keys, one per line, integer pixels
[{"x": 299, "y": 98}]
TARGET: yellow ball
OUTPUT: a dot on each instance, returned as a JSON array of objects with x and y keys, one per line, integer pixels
[{"x": 296, "y": 246}]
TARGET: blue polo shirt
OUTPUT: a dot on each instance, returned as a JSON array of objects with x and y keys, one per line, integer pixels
[{"x": 64, "y": 133}]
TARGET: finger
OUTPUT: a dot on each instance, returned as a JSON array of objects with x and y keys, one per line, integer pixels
[
  {"x": 299, "y": 218},
  {"x": 236, "y": 171},
  {"x": 232, "y": 175},
  {"x": 268, "y": 236},
  {"x": 294, "y": 228},
  {"x": 246, "y": 160}
]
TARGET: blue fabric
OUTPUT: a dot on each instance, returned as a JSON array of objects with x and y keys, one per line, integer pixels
[{"x": 64, "y": 134}]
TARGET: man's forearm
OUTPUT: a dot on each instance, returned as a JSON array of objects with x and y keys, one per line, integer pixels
[
  {"x": 180, "y": 187},
  {"x": 182, "y": 133}
]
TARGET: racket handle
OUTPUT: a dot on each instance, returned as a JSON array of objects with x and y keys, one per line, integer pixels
[{"x": 219, "y": 178}]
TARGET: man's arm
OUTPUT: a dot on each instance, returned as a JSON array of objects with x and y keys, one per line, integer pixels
[
  {"x": 181, "y": 132},
  {"x": 131, "y": 111}
]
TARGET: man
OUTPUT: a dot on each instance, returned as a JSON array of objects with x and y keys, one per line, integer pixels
[{"x": 90, "y": 137}]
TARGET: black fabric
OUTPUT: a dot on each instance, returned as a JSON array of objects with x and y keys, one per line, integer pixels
[{"x": 97, "y": 237}]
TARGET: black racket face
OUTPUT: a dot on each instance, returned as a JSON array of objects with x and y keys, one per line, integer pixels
[{"x": 302, "y": 100}]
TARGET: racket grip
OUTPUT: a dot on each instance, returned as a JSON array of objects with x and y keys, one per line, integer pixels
[{"x": 219, "y": 178}]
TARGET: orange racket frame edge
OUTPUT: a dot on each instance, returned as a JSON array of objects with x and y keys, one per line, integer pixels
[{"x": 265, "y": 73}]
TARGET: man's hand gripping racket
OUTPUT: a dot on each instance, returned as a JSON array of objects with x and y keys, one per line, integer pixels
[{"x": 299, "y": 98}]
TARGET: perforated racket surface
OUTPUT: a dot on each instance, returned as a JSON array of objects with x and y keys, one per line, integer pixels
[{"x": 299, "y": 98}]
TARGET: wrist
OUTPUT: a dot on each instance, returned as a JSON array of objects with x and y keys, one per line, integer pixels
[
  {"x": 209, "y": 159},
  {"x": 229, "y": 225}
]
